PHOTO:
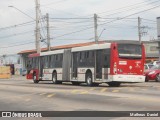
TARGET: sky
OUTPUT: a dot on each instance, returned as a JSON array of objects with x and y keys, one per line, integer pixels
[{"x": 71, "y": 21}]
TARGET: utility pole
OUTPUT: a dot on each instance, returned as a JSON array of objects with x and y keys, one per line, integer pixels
[
  {"x": 139, "y": 29},
  {"x": 48, "y": 33},
  {"x": 37, "y": 31},
  {"x": 95, "y": 28},
  {"x": 96, "y": 41}
]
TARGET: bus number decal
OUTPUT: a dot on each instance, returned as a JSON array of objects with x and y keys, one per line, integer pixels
[{"x": 122, "y": 62}]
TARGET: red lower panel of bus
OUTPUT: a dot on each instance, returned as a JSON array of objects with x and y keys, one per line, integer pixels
[{"x": 30, "y": 74}]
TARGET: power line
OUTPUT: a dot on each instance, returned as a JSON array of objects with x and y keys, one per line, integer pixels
[
  {"x": 110, "y": 21},
  {"x": 17, "y": 25},
  {"x": 121, "y": 8},
  {"x": 15, "y": 34},
  {"x": 17, "y": 45},
  {"x": 73, "y": 32},
  {"x": 149, "y": 20},
  {"x": 132, "y": 14},
  {"x": 76, "y": 22},
  {"x": 57, "y": 2},
  {"x": 117, "y": 18},
  {"x": 130, "y": 7},
  {"x": 42, "y": 23},
  {"x": 101, "y": 24},
  {"x": 72, "y": 18}
]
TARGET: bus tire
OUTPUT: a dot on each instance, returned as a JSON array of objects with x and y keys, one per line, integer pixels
[
  {"x": 89, "y": 79},
  {"x": 157, "y": 78},
  {"x": 34, "y": 78},
  {"x": 114, "y": 84},
  {"x": 96, "y": 84},
  {"x": 59, "y": 82},
  {"x": 146, "y": 79},
  {"x": 54, "y": 78},
  {"x": 75, "y": 83}
]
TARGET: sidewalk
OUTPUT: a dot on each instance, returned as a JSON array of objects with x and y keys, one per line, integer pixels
[{"x": 17, "y": 77}]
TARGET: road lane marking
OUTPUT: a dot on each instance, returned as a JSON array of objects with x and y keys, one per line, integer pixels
[
  {"x": 79, "y": 92},
  {"x": 103, "y": 90},
  {"x": 145, "y": 99},
  {"x": 144, "y": 89},
  {"x": 132, "y": 90},
  {"x": 42, "y": 94},
  {"x": 84, "y": 92},
  {"x": 27, "y": 99},
  {"x": 92, "y": 89},
  {"x": 50, "y": 95},
  {"x": 75, "y": 91},
  {"x": 114, "y": 91}
]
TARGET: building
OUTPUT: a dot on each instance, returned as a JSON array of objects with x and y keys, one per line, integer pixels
[
  {"x": 151, "y": 49},
  {"x": 9, "y": 59},
  {"x": 158, "y": 33},
  {"x": 13, "y": 61}
]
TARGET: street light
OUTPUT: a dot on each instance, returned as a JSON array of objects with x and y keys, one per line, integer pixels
[
  {"x": 37, "y": 42},
  {"x": 21, "y": 12}
]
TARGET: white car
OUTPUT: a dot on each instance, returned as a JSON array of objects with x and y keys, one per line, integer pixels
[
  {"x": 155, "y": 62},
  {"x": 24, "y": 72},
  {"x": 148, "y": 66}
]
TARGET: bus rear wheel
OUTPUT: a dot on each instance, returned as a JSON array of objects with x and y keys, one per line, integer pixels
[
  {"x": 35, "y": 78},
  {"x": 89, "y": 79},
  {"x": 114, "y": 84},
  {"x": 157, "y": 78},
  {"x": 146, "y": 79},
  {"x": 75, "y": 83}
]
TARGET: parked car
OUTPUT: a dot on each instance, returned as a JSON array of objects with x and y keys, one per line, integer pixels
[
  {"x": 153, "y": 73},
  {"x": 148, "y": 66},
  {"x": 24, "y": 72},
  {"x": 155, "y": 62}
]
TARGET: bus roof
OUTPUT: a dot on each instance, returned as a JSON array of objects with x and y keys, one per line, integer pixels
[
  {"x": 51, "y": 52},
  {"x": 34, "y": 55},
  {"x": 82, "y": 47},
  {"x": 92, "y": 47}
]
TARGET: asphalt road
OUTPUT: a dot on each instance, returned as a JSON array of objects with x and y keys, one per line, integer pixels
[{"x": 24, "y": 95}]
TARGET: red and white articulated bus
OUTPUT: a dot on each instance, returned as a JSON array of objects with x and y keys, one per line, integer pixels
[{"x": 112, "y": 63}]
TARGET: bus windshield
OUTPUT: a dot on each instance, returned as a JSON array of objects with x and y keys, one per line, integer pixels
[{"x": 129, "y": 51}]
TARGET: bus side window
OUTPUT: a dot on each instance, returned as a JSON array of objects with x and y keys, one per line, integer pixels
[
  {"x": 80, "y": 57},
  {"x": 46, "y": 62},
  {"x": 106, "y": 58},
  {"x": 49, "y": 61},
  {"x": 52, "y": 61}
]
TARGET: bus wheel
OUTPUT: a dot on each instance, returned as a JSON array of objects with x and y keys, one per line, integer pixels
[
  {"x": 54, "y": 78},
  {"x": 34, "y": 78},
  {"x": 114, "y": 84},
  {"x": 59, "y": 82},
  {"x": 75, "y": 83},
  {"x": 157, "y": 78},
  {"x": 146, "y": 79},
  {"x": 96, "y": 84},
  {"x": 89, "y": 79}
]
